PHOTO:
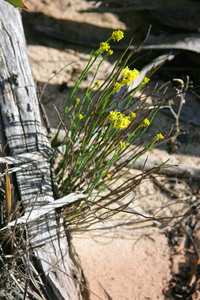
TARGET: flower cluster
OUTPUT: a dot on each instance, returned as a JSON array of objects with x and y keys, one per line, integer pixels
[
  {"x": 120, "y": 121},
  {"x": 145, "y": 123},
  {"x": 159, "y": 136},
  {"x": 104, "y": 46},
  {"x": 145, "y": 80},
  {"x": 117, "y": 35},
  {"x": 80, "y": 116},
  {"x": 129, "y": 75},
  {"x": 132, "y": 115},
  {"x": 97, "y": 83},
  {"x": 113, "y": 115},
  {"x": 108, "y": 175},
  {"x": 77, "y": 100},
  {"x": 121, "y": 145},
  {"x": 117, "y": 86}
]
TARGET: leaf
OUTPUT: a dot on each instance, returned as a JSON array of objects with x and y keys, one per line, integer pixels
[
  {"x": 8, "y": 194},
  {"x": 17, "y": 3}
]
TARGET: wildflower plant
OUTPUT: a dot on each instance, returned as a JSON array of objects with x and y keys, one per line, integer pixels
[{"x": 100, "y": 134}]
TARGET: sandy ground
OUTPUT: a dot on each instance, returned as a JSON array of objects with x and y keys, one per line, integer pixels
[
  {"x": 126, "y": 267},
  {"x": 124, "y": 263}
]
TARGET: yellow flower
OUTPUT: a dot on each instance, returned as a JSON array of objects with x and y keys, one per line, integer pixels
[
  {"x": 122, "y": 122},
  {"x": 117, "y": 86},
  {"x": 125, "y": 71},
  {"x": 145, "y": 80},
  {"x": 129, "y": 75},
  {"x": 110, "y": 52},
  {"x": 77, "y": 100},
  {"x": 121, "y": 145},
  {"x": 104, "y": 46},
  {"x": 145, "y": 122},
  {"x": 159, "y": 136},
  {"x": 117, "y": 35},
  {"x": 132, "y": 115},
  {"x": 80, "y": 116},
  {"x": 97, "y": 83},
  {"x": 113, "y": 115},
  {"x": 108, "y": 175}
]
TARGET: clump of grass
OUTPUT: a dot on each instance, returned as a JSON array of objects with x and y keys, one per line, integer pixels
[{"x": 105, "y": 135}]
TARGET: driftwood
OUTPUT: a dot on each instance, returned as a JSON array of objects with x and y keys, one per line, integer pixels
[
  {"x": 181, "y": 171},
  {"x": 61, "y": 276},
  {"x": 182, "y": 41},
  {"x": 145, "y": 4},
  {"x": 170, "y": 30}
]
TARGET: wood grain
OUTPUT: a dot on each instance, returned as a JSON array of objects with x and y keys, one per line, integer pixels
[{"x": 24, "y": 133}]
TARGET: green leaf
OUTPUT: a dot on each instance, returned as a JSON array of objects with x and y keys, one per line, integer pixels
[{"x": 17, "y": 3}]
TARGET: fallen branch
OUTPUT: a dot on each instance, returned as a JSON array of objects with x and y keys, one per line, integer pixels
[
  {"x": 35, "y": 214},
  {"x": 169, "y": 170}
]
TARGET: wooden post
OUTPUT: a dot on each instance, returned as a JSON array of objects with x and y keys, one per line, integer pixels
[{"x": 54, "y": 259}]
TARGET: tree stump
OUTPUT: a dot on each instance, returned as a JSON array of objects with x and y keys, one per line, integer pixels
[{"x": 49, "y": 252}]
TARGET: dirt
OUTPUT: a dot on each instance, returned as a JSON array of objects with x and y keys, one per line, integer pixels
[{"x": 128, "y": 262}]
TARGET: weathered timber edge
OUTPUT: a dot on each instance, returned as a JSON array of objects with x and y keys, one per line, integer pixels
[{"x": 22, "y": 131}]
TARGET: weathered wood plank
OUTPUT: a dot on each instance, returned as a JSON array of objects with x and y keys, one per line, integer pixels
[
  {"x": 24, "y": 133},
  {"x": 145, "y": 4},
  {"x": 19, "y": 105}
]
